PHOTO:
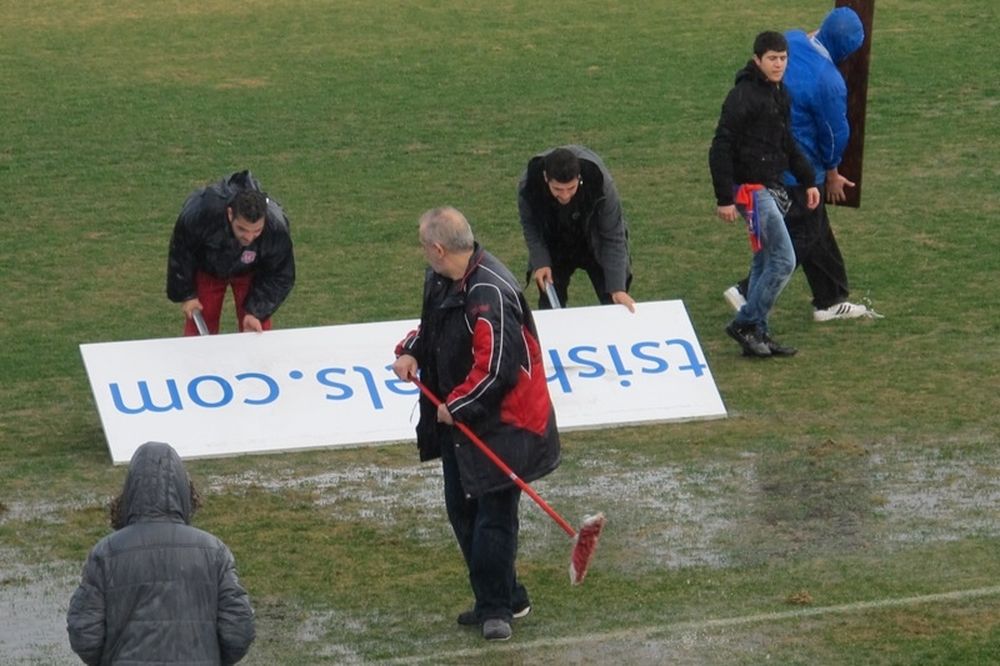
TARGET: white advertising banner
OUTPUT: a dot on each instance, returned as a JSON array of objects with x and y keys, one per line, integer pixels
[{"x": 333, "y": 386}]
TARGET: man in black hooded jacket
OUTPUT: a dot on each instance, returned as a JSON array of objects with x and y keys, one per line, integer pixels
[
  {"x": 230, "y": 234},
  {"x": 751, "y": 149}
]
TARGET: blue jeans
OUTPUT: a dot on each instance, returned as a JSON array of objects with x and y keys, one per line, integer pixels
[
  {"x": 772, "y": 265},
  {"x": 486, "y": 529}
]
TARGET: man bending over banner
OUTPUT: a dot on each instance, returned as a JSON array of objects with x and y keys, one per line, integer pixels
[
  {"x": 230, "y": 234},
  {"x": 477, "y": 349}
]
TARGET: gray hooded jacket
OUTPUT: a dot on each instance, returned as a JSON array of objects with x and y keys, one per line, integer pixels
[
  {"x": 159, "y": 591},
  {"x": 604, "y": 226}
]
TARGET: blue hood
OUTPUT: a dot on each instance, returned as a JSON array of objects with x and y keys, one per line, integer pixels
[{"x": 841, "y": 33}]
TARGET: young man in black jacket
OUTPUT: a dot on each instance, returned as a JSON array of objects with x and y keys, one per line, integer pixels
[
  {"x": 230, "y": 234},
  {"x": 752, "y": 147}
]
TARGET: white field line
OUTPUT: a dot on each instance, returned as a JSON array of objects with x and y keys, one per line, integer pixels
[{"x": 645, "y": 633}]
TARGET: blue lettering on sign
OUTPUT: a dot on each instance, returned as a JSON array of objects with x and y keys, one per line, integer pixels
[
  {"x": 596, "y": 368},
  {"x": 272, "y": 388},
  {"x": 323, "y": 378},
  {"x": 193, "y": 393},
  {"x": 576, "y": 364},
  {"x": 589, "y": 363},
  {"x": 371, "y": 385},
  {"x": 147, "y": 401},
  {"x": 693, "y": 365},
  {"x": 659, "y": 365}
]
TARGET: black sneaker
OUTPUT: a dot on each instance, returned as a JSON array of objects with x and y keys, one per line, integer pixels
[
  {"x": 470, "y": 619},
  {"x": 496, "y": 629},
  {"x": 749, "y": 339},
  {"x": 778, "y": 349}
]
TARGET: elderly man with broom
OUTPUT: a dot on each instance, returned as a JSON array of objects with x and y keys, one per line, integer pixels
[{"x": 477, "y": 348}]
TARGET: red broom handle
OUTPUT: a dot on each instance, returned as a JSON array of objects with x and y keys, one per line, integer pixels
[{"x": 522, "y": 484}]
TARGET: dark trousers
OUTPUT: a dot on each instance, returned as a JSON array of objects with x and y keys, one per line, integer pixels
[
  {"x": 486, "y": 529},
  {"x": 563, "y": 269},
  {"x": 816, "y": 250}
]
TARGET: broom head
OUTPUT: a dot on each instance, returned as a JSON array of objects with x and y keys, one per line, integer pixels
[{"x": 583, "y": 547}]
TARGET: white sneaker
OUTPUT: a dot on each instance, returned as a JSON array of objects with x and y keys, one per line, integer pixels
[
  {"x": 845, "y": 310},
  {"x": 734, "y": 298}
]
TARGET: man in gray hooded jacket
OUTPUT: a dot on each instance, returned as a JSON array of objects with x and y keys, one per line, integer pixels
[
  {"x": 572, "y": 218},
  {"x": 158, "y": 590}
]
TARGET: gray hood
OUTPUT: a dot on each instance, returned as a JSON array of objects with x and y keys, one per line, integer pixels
[{"x": 157, "y": 486}]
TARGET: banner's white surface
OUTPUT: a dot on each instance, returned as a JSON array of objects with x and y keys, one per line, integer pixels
[{"x": 332, "y": 385}]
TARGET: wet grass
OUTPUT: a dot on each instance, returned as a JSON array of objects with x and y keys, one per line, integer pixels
[{"x": 864, "y": 469}]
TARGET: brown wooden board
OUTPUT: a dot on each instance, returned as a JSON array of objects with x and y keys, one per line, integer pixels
[{"x": 855, "y": 71}]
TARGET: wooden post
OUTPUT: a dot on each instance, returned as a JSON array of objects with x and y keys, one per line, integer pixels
[{"x": 855, "y": 72}]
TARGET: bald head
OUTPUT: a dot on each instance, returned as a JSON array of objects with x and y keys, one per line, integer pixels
[
  {"x": 447, "y": 240},
  {"x": 447, "y": 227}
]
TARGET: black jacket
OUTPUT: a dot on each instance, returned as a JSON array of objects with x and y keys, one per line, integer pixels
[
  {"x": 477, "y": 349},
  {"x": 159, "y": 590},
  {"x": 753, "y": 141},
  {"x": 603, "y": 229},
  {"x": 203, "y": 241}
]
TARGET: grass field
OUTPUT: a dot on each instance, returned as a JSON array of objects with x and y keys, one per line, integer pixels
[{"x": 845, "y": 513}]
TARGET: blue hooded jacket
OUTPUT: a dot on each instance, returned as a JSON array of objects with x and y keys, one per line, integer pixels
[{"x": 818, "y": 91}]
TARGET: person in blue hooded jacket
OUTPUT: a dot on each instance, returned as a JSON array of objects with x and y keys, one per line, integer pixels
[{"x": 820, "y": 127}]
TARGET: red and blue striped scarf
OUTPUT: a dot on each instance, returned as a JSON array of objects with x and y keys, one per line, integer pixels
[{"x": 745, "y": 196}]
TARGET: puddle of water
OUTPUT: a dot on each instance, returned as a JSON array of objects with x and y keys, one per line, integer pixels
[{"x": 33, "y": 605}]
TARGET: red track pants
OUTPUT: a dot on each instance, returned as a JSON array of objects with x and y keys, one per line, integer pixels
[{"x": 211, "y": 291}]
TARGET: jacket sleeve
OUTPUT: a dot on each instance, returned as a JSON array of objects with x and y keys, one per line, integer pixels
[
  {"x": 410, "y": 345},
  {"x": 798, "y": 162},
  {"x": 611, "y": 229},
  {"x": 85, "y": 618},
  {"x": 274, "y": 278},
  {"x": 833, "y": 130},
  {"x": 235, "y": 615},
  {"x": 181, "y": 259},
  {"x": 497, "y": 352},
  {"x": 725, "y": 143},
  {"x": 531, "y": 226}
]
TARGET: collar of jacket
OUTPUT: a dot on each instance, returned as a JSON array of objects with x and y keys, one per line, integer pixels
[{"x": 474, "y": 261}]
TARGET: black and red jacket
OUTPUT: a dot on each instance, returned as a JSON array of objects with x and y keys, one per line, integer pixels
[
  {"x": 477, "y": 348},
  {"x": 203, "y": 240}
]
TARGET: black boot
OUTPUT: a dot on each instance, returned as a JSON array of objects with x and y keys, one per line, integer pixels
[
  {"x": 776, "y": 348},
  {"x": 749, "y": 338}
]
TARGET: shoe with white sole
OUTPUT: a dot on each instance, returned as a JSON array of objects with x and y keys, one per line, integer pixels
[
  {"x": 845, "y": 310},
  {"x": 734, "y": 298}
]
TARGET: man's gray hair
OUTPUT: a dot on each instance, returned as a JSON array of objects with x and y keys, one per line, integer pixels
[{"x": 448, "y": 227}]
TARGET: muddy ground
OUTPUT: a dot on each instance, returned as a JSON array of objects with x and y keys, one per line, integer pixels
[{"x": 664, "y": 517}]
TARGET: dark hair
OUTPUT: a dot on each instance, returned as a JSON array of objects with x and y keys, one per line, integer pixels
[
  {"x": 251, "y": 205},
  {"x": 769, "y": 41},
  {"x": 562, "y": 166}
]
